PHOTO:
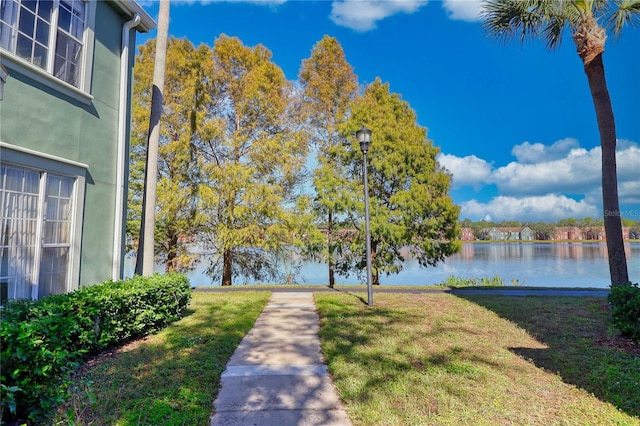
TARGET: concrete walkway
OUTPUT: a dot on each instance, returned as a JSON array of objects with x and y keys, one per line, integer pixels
[{"x": 277, "y": 375}]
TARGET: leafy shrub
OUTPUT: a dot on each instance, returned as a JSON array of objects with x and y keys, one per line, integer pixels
[
  {"x": 625, "y": 309},
  {"x": 43, "y": 341}
]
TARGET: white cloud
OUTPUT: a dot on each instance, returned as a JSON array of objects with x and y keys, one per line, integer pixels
[
  {"x": 190, "y": 2},
  {"x": 577, "y": 172},
  {"x": 544, "y": 181},
  {"x": 463, "y": 10},
  {"x": 535, "y": 153},
  {"x": 627, "y": 161},
  {"x": 562, "y": 167},
  {"x": 466, "y": 171},
  {"x": 549, "y": 207},
  {"x": 629, "y": 192},
  {"x": 362, "y": 15},
  {"x": 628, "y": 195}
]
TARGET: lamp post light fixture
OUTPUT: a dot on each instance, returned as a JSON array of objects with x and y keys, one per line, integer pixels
[{"x": 364, "y": 138}]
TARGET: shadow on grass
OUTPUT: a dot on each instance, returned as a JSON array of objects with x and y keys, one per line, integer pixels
[
  {"x": 170, "y": 378},
  {"x": 574, "y": 329},
  {"x": 381, "y": 350},
  {"x": 356, "y": 296}
]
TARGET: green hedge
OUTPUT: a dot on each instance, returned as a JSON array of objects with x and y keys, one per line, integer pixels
[
  {"x": 625, "y": 309},
  {"x": 43, "y": 341}
]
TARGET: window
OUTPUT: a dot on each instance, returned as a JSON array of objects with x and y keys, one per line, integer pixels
[
  {"x": 36, "y": 216},
  {"x": 47, "y": 33}
]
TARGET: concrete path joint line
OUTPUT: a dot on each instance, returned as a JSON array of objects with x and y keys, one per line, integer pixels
[{"x": 275, "y": 370}]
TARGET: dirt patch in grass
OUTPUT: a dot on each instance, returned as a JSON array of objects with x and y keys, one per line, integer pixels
[
  {"x": 109, "y": 354},
  {"x": 612, "y": 341},
  {"x": 619, "y": 343}
]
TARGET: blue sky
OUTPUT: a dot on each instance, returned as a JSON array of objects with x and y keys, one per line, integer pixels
[{"x": 515, "y": 124}]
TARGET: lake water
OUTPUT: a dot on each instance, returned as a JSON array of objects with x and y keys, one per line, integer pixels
[{"x": 541, "y": 265}]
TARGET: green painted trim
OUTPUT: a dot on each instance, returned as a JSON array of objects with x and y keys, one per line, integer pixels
[
  {"x": 19, "y": 65},
  {"x": 42, "y": 155}
]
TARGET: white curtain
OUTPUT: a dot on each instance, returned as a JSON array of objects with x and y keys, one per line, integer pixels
[
  {"x": 19, "y": 201},
  {"x": 54, "y": 262},
  {"x": 19, "y": 216}
]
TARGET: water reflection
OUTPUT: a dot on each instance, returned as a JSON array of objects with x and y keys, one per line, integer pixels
[
  {"x": 548, "y": 265},
  {"x": 566, "y": 251},
  {"x": 553, "y": 265}
]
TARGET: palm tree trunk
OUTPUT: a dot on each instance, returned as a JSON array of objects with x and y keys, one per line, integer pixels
[
  {"x": 145, "y": 259},
  {"x": 606, "y": 125},
  {"x": 330, "y": 246}
]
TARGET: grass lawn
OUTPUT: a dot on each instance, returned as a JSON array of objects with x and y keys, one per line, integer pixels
[
  {"x": 168, "y": 378},
  {"x": 411, "y": 359},
  {"x": 438, "y": 359}
]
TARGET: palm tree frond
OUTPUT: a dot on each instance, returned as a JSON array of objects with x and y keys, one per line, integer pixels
[
  {"x": 576, "y": 12},
  {"x": 625, "y": 12},
  {"x": 600, "y": 7},
  {"x": 525, "y": 19},
  {"x": 506, "y": 19},
  {"x": 552, "y": 32}
]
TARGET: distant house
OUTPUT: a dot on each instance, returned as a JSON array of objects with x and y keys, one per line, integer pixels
[
  {"x": 567, "y": 233},
  {"x": 508, "y": 233},
  {"x": 601, "y": 235},
  {"x": 527, "y": 234},
  {"x": 64, "y": 126},
  {"x": 511, "y": 232},
  {"x": 493, "y": 234},
  {"x": 596, "y": 234},
  {"x": 466, "y": 234}
]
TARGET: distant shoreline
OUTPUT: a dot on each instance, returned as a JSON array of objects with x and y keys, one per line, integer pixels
[{"x": 542, "y": 241}]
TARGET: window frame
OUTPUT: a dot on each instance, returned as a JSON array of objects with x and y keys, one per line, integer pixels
[
  {"x": 46, "y": 76},
  {"x": 45, "y": 164},
  {"x": 44, "y": 219}
]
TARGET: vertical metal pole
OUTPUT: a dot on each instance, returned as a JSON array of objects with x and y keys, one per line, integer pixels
[{"x": 368, "y": 232}]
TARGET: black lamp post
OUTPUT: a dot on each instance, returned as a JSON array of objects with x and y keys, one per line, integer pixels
[{"x": 364, "y": 138}]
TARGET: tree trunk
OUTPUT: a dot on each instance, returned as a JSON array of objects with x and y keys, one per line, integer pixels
[
  {"x": 226, "y": 267},
  {"x": 145, "y": 258},
  {"x": 172, "y": 254},
  {"x": 375, "y": 277},
  {"x": 330, "y": 246},
  {"x": 606, "y": 125}
]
